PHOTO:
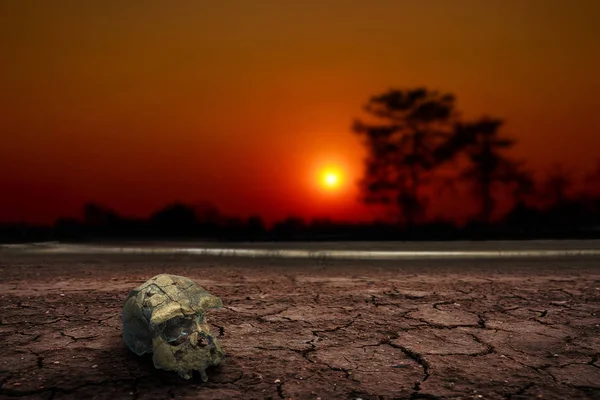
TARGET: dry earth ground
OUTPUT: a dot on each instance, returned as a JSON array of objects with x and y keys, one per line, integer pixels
[{"x": 492, "y": 329}]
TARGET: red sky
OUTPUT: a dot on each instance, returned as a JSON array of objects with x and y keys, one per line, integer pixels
[{"x": 134, "y": 104}]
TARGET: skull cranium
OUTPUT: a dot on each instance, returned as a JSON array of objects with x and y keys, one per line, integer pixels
[{"x": 165, "y": 316}]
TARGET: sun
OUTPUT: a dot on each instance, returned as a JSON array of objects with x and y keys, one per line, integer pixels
[{"x": 330, "y": 178}]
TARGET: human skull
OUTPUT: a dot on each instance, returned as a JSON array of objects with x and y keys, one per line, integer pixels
[{"x": 165, "y": 316}]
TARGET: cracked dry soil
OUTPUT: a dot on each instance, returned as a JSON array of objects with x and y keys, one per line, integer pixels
[{"x": 311, "y": 329}]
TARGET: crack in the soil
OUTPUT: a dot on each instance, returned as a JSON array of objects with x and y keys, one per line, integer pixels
[
  {"x": 57, "y": 389},
  {"x": 514, "y": 296},
  {"x": 539, "y": 321},
  {"x": 347, "y": 371},
  {"x": 372, "y": 300},
  {"x": 234, "y": 380},
  {"x": 444, "y": 326},
  {"x": 305, "y": 352},
  {"x": 337, "y": 328},
  {"x": 32, "y": 340},
  {"x": 590, "y": 363},
  {"x": 489, "y": 350},
  {"x": 381, "y": 342},
  {"x": 551, "y": 375},
  {"x": 398, "y": 293},
  {"x": 481, "y": 321},
  {"x": 39, "y": 360},
  {"x": 442, "y": 303},
  {"x": 540, "y": 370},
  {"x": 101, "y": 320},
  {"x": 563, "y": 291},
  {"x": 75, "y": 338},
  {"x": 521, "y": 391},
  {"x": 414, "y": 356},
  {"x": 31, "y": 324},
  {"x": 561, "y": 304},
  {"x": 262, "y": 318},
  {"x": 280, "y": 390},
  {"x": 506, "y": 310}
]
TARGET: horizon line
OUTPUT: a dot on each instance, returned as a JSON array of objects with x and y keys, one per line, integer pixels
[{"x": 289, "y": 253}]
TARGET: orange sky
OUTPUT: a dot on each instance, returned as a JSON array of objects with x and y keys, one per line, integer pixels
[{"x": 134, "y": 104}]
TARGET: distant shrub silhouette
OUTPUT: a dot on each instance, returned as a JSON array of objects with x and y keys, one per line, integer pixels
[{"x": 175, "y": 219}]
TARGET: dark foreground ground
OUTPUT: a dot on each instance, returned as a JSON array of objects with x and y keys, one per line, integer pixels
[{"x": 309, "y": 329}]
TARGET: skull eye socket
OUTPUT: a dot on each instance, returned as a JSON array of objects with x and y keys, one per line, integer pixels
[{"x": 176, "y": 330}]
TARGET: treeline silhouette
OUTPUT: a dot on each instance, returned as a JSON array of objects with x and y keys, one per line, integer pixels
[
  {"x": 571, "y": 217},
  {"x": 418, "y": 146}
]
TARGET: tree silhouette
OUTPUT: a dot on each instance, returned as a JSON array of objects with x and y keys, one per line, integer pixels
[
  {"x": 556, "y": 185},
  {"x": 97, "y": 215},
  {"x": 208, "y": 213},
  {"x": 402, "y": 146},
  {"x": 175, "y": 218},
  {"x": 592, "y": 187},
  {"x": 592, "y": 180},
  {"x": 256, "y": 226},
  {"x": 484, "y": 148}
]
